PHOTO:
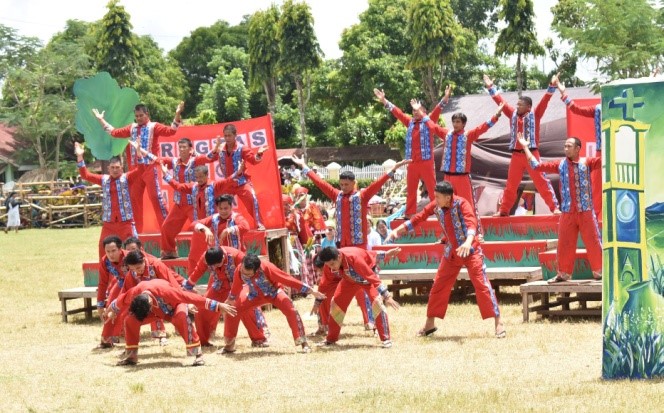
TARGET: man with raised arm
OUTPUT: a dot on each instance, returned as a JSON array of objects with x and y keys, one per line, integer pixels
[
  {"x": 419, "y": 147},
  {"x": 231, "y": 155},
  {"x": 183, "y": 171},
  {"x": 146, "y": 134},
  {"x": 594, "y": 112},
  {"x": 457, "y": 145},
  {"x": 462, "y": 249},
  {"x": 117, "y": 210},
  {"x": 351, "y": 204},
  {"x": 111, "y": 279},
  {"x": 526, "y": 121},
  {"x": 157, "y": 300},
  {"x": 578, "y": 214}
]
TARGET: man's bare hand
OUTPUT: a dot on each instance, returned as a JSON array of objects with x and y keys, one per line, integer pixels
[
  {"x": 97, "y": 114},
  {"x": 487, "y": 81},
  {"x": 380, "y": 95}
]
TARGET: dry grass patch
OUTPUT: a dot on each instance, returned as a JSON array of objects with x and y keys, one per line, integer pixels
[{"x": 46, "y": 365}]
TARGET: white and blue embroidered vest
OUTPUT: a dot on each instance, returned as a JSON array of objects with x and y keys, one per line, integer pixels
[
  {"x": 350, "y": 273},
  {"x": 458, "y": 223},
  {"x": 583, "y": 196},
  {"x": 209, "y": 200},
  {"x": 145, "y": 140},
  {"x": 235, "y": 239},
  {"x": 528, "y": 130},
  {"x": 355, "y": 219},
  {"x": 124, "y": 201},
  {"x": 188, "y": 177},
  {"x": 164, "y": 306},
  {"x": 114, "y": 272},
  {"x": 460, "y": 150},
  {"x": 236, "y": 158},
  {"x": 425, "y": 141},
  {"x": 259, "y": 282},
  {"x": 230, "y": 270}
]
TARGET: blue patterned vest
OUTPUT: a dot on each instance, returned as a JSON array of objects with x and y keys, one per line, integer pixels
[
  {"x": 356, "y": 232},
  {"x": 458, "y": 223},
  {"x": 114, "y": 272},
  {"x": 583, "y": 196},
  {"x": 260, "y": 282},
  {"x": 235, "y": 239},
  {"x": 230, "y": 270},
  {"x": 124, "y": 201},
  {"x": 209, "y": 200},
  {"x": 188, "y": 177},
  {"x": 425, "y": 140},
  {"x": 460, "y": 150},
  {"x": 145, "y": 140},
  {"x": 598, "y": 127},
  {"x": 528, "y": 130},
  {"x": 236, "y": 158}
]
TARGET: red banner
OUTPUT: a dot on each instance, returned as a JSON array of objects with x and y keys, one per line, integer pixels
[
  {"x": 253, "y": 133},
  {"x": 583, "y": 127}
]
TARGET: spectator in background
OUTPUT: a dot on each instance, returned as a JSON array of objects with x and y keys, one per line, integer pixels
[
  {"x": 373, "y": 238},
  {"x": 13, "y": 205},
  {"x": 521, "y": 209},
  {"x": 330, "y": 235},
  {"x": 382, "y": 230}
]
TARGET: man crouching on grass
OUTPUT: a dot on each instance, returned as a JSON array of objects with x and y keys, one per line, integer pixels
[{"x": 158, "y": 300}]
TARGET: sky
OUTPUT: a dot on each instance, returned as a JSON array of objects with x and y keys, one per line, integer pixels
[{"x": 168, "y": 22}]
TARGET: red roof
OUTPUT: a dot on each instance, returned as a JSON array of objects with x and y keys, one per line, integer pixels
[{"x": 7, "y": 142}]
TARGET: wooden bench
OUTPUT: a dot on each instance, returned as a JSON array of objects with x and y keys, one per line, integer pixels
[
  {"x": 417, "y": 278},
  {"x": 583, "y": 290},
  {"x": 86, "y": 293}
]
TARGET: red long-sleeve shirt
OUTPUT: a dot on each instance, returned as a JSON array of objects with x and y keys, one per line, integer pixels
[
  {"x": 190, "y": 164},
  {"x": 416, "y": 154},
  {"x": 132, "y": 176},
  {"x": 154, "y": 269},
  {"x": 169, "y": 295},
  {"x": 220, "y": 186},
  {"x": 106, "y": 279},
  {"x": 247, "y": 155},
  {"x": 239, "y": 230},
  {"x": 267, "y": 280},
  {"x": 365, "y": 195},
  {"x": 159, "y": 131},
  {"x": 508, "y": 110},
  {"x": 357, "y": 266}
]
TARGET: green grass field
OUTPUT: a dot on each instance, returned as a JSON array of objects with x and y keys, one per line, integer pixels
[{"x": 48, "y": 366}]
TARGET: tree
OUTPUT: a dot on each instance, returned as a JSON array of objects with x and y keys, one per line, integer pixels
[
  {"x": 299, "y": 52},
  {"x": 264, "y": 53},
  {"x": 159, "y": 81},
  {"x": 228, "y": 58},
  {"x": 117, "y": 51},
  {"x": 15, "y": 49},
  {"x": 195, "y": 52},
  {"x": 479, "y": 16},
  {"x": 434, "y": 34},
  {"x": 38, "y": 100},
  {"x": 227, "y": 96},
  {"x": 565, "y": 64},
  {"x": 519, "y": 37},
  {"x": 625, "y": 38}
]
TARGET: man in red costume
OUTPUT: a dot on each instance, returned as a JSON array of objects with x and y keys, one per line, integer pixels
[
  {"x": 146, "y": 134},
  {"x": 225, "y": 227},
  {"x": 357, "y": 269},
  {"x": 457, "y": 145},
  {"x": 526, "y": 121},
  {"x": 351, "y": 205},
  {"x": 594, "y": 112},
  {"x": 231, "y": 155},
  {"x": 459, "y": 223},
  {"x": 419, "y": 147},
  {"x": 158, "y": 300},
  {"x": 117, "y": 212},
  {"x": 183, "y": 171},
  {"x": 203, "y": 193},
  {"x": 111, "y": 280},
  {"x": 264, "y": 283},
  {"x": 221, "y": 262},
  {"x": 578, "y": 214}
]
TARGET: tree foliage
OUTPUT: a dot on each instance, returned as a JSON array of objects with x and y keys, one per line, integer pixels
[
  {"x": 625, "y": 38},
  {"x": 264, "y": 53},
  {"x": 15, "y": 49},
  {"x": 227, "y": 96},
  {"x": 117, "y": 51},
  {"x": 518, "y": 37}
]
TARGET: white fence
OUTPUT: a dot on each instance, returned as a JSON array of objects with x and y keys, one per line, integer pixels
[{"x": 373, "y": 171}]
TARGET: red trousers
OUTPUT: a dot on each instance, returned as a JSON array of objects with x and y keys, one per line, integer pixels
[
  {"x": 281, "y": 301},
  {"x": 198, "y": 246},
  {"x": 114, "y": 328},
  {"x": 206, "y": 320},
  {"x": 247, "y": 195},
  {"x": 177, "y": 217},
  {"x": 181, "y": 321},
  {"x": 416, "y": 171},
  {"x": 569, "y": 226},
  {"x": 463, "y": 187},
  {"x": 342, "y": 298},
  {"x": 123, "y": 230},
  {"x": 324, "y": 308},
  {"x": 150, "y": 180},
  {"x": 596, "y": 188},
  {"x": 518, "y": 165},
  {"x": 446, "y": 276}
]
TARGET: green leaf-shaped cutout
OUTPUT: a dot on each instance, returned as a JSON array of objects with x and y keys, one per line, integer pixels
[{"x": 103, "y": 93}]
